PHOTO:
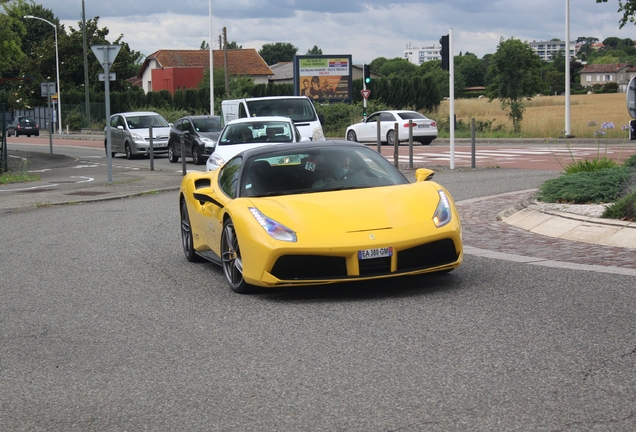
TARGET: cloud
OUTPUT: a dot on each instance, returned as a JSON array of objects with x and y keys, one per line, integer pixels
[{"x": 365, "y": 29}]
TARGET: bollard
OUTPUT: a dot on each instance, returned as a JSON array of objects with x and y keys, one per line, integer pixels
[
  {"x": 396, "y": 144},
  {"x": 410, "y": 143},
  {"x": 472, "y": 142},
  {"x": 183, "y": 161},
  {"x": 379, "y": 136},
  {"x": 152, "y": 150}
]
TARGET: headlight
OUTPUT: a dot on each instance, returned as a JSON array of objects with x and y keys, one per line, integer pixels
[
  {"x": 138, "y": 138},
  {"x": 443, "y": 212},
  {"x": 215, "y": 159},
  {"x": 208, "y": 142},
  {"x": 273, "y": 228}
]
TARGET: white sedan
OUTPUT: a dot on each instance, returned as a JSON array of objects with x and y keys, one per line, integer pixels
[
  {"x": 424, "y": 128},
  {"x": 242, "y": 134}
]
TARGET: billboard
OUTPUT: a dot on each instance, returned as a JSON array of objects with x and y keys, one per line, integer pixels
[{"x": 326, "y": 78}]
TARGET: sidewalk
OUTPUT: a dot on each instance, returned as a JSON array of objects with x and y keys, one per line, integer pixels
[{"x": 530, "y": 216}]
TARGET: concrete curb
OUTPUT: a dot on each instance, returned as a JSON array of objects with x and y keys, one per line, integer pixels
[{"x": 529, "y": 216}]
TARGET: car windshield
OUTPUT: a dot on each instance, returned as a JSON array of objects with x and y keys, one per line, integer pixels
[
  {"x": 317, "y": 170},
  {"x": 207, "y": 124},
  {"x": 257, "y": 132},
  {"x": 411, "y": 115},
  {"x": 145, "y": 121},
  {"x": 299, "y": 110}
]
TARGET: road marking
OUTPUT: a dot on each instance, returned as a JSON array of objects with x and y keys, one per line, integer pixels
[
  {"x": 88, "y": 179},
  {"x": 30, "y": 188}
]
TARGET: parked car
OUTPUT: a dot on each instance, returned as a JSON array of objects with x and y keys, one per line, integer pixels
[
  {"x": 241, "y": 134},
  {"x": 199, "y": 133},
  {"x": 23, "y": 125},
  {"x": 316, "y": 213},
  {"x": 424, "y": 129},
  {"x": 130, "y": 133}
]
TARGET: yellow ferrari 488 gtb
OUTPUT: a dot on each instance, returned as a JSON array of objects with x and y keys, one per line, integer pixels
[{"x": 315, "y": 213}]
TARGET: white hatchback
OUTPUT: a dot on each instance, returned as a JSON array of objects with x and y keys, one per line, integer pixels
[
  {"x": 239, "y": 135},
  {"x": 424, "y": 128}
]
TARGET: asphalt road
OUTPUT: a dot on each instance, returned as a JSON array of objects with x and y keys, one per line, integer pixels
[{"x": 105, "y": 326}]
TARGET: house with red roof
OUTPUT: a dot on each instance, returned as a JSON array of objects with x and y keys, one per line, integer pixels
[
  {"x": 602, "y": 74},
  {"x": 174, "y": 70}
]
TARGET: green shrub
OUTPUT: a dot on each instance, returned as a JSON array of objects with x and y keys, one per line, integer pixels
[
  {"x": 585, "y": 187},
  {"x": 590, "y": 165},
  {"x": 624, "y": 208},
  {"x": 630, "y": 162}
]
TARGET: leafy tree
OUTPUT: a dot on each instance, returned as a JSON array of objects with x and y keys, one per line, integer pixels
[
  {"x": 397, "y": 67},
  {"x": 628, "y": 8},
  {"x": 514, "y": 76},
  {"x": 12, "y": 55},
  {"x": 471, "y": 69},
  {"x": 611, "y": 42},
  {"x": 204, "y": 45},
  {"x": 234, "y": 45},
  {"x": 315, "y": 51},
  {"x": 278, "y": 52}
]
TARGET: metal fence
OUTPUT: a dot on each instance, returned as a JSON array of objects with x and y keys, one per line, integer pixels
[{"x": 3, "y": 142}]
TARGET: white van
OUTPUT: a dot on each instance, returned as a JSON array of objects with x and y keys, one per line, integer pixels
[{"x": 299, "y": 108}]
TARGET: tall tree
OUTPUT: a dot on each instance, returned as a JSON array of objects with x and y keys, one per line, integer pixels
[
  {"x": 627, "y": 8},
  {"x": 314, "y": 51},
  {"x": 515, "y": 75},
  {"x": 278, "y": 52}
]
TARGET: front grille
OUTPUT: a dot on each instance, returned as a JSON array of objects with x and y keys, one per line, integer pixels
[
  {"x": 427, "y": 255},
  {"x": 375, "y": 266},
  {"x": 294, "y": 267}
]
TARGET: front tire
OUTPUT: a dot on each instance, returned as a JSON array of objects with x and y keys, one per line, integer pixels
[
  {"x": 390, "y": 137},
  {"x": 231, "y": 260},
  {"x": 196, "y": 155},
  {"x": 351, "y": 136},
  {"x": 112, "y": 154},
  {"x": 186, "y": 235},
  {"x": 128, "y": 151},
  {"x": 171, "y": 156}
]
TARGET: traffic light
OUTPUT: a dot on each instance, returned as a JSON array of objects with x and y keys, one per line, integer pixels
[
  {"x": 443, "y": 41},
  {"x": 367, "y": 73}
]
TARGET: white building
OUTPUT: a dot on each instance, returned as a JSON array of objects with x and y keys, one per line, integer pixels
[
  {"x": 417, "y": 55},
  {"x": 545, "y": 49}
]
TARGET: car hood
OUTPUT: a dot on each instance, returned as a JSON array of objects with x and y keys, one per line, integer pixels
[
  {"x": 156, "y": 132},
  {"x": 353, "y": 210},
  {"x": 230, "y": 150},
  {"x": 211, "y": 135}
]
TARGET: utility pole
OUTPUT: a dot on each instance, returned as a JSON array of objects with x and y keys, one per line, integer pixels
[
  {"x": 227, "y": 81},
  {"x": 86, "y": 86}
]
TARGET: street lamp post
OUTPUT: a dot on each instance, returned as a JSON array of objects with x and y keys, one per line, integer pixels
[{"x": 57, "y": 71}]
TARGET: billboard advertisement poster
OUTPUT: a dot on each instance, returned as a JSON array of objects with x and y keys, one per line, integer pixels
[{"x": 323, "y": 77}]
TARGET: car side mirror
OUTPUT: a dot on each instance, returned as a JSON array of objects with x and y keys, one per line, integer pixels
[
  {"x": 321, "y": 117},
  {"x": 423, "y": 174},
  {"x": 120, "y": 127}
]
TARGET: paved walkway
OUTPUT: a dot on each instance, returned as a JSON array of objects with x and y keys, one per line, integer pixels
[{"x": 484, "y": 230}]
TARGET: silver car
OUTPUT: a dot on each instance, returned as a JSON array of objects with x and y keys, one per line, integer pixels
[{"x": 130, "y": 134}]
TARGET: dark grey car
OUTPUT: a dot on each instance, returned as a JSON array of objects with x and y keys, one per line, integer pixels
[
  {"x": 200, "y": 134},
  {"x": 23, "y": 125}
]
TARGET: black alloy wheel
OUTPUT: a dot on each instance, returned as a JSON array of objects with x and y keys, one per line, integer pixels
[
  {"x": 186, "y": 235},
  {"x": 196, "y": 155},
  {"x": 173, "y": 158},
  {"x": 231, "y": 260}
]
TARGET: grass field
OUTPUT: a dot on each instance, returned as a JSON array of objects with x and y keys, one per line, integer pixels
[{"x": 544, "y": 116}]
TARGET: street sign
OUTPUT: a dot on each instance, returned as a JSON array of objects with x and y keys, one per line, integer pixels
[
  {"x": 106, "y": 55},
  {"x": 111, "y": 77},
  {"x": 365, "y": 93},
  {"x": 48, "y": 89}
]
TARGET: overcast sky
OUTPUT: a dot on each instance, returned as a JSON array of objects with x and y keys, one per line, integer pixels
[{"x": 364, "y": 29}]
